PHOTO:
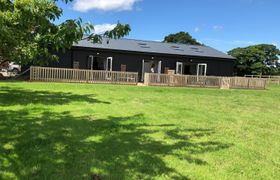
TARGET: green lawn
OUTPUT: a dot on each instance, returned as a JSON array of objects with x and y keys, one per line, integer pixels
[{"x": 78, "y": 131}]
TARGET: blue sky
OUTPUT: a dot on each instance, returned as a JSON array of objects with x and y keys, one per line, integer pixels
[{"x": 222, "y": 24}]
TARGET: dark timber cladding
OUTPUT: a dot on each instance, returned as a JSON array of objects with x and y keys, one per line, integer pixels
[{"x": 147, "y": 56}]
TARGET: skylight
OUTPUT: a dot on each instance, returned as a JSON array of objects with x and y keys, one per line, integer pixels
[
  {"x": 176, "y": 48},
  {"x": 142, "y": 44},
  {"x": 197, "y": 50},
  {"x": 179, "y": 49},
  {"x": 145, "y": 47},
  {"x": 194, "y": 48}
]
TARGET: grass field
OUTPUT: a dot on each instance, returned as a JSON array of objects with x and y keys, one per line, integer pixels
[{"x": 76, "y": 131}]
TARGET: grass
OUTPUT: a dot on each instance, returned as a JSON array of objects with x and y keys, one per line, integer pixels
[{"x": 78, "y": 131}]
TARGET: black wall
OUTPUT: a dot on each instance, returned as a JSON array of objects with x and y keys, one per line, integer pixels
[{"x": 133, "y": 60}]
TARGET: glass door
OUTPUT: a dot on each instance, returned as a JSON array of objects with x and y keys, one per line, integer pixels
[
  {"x": 201, "y": 69},
  {"x": 90, "y": 62},
  {"x": 109, "y": 64},
  {"x": 179, "y": 68}
]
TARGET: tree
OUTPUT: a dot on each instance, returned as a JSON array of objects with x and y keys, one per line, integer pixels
[
  {"x": 29, "y": 33},
  {"x": 182, "y": 38},
  {"x": 257, "y": 59}
]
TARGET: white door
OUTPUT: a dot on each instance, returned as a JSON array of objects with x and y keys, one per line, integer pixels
[
  {"x": 179, "y": 68},
  {"x": 201, "y": 69},
  {"x": 143, "y": 70},
  {"x": 146, "y": 68},
  {"x": 159, "y": 67},
  {"x": 90, "y": 62},
  {"x": 109, "y": 64},
  {"x": 159, "y": 71}
]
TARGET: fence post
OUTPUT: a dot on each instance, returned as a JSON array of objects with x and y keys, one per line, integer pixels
[
  {"x": 31, "y": 73},
  {"x": 87, "y": 76},
  {"x": 146, "y": 79},
  {"x": 225, "y": 83}
]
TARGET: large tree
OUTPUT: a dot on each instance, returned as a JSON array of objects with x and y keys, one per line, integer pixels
[
  {"x": 257, "y": 59},
  {"x": 182, "y": 38},
  {"x": 29, "y": 32}
]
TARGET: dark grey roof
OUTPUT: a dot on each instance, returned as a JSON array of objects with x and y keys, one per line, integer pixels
[{"x": 154, "y": 47}]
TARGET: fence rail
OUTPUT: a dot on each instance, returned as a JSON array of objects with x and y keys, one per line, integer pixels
[
  {"x": 269, "y": 78},
  {"x": 204, "y": 81},
  {"x": 47, "y": 74}
]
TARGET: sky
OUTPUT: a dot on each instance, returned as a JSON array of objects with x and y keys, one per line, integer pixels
[{"x": 222, "y": 24}]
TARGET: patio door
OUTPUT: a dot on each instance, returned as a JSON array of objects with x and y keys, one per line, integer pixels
[
  {"x": 109, "y": 64},
  {"x": 159, "y": 67},
  {"x": 159, "y": 71},
  {"x": 201, "y": 69},
  {"x": 179, "y": 68},
  {"x": 90, "y": 62},
  {"x": 146, "y": 68}
]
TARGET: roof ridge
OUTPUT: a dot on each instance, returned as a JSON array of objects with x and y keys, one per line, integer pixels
[
  {"x": 153, "y": 41},
  {"x": 127, "y": 44}
]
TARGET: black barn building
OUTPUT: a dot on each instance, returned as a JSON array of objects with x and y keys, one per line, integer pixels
[{"x": 146, "y": 56}]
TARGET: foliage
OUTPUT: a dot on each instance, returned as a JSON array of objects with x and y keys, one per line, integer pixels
[
  {"x": 182, "y": 38},
  {"x": 75, "y": 131},
  {"x": 257, "y": 59},
  {"x": 29, "y": 32}
]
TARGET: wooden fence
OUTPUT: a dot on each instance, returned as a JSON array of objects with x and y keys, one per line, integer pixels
[
  {"x": 270, "y": 79},
  {"x": 47, "y": 74},
  {"x": 204, "y": 81}
]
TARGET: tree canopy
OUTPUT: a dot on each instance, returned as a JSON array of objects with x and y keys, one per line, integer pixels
[
  {"x": 257, "y": 59},
  {"x": 29, "y": 32},
  {"x": 182, "y": 38}
]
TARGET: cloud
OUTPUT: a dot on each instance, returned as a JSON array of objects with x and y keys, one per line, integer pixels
[
  {"x": 244, "y": 42},
  {"x": 104, "y": 5},
  {"x": 197, "y": 29},
  {"x": 217, "y": 28},
  {"x": 228, "y": 42},
  {"x": 102, "y": 28},
  {"x": 275, "y": 43}
]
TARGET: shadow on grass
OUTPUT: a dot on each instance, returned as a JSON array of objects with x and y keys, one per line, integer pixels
[
  {"x": 16, "y": 96},
  {"x": 61, "y": 146}
]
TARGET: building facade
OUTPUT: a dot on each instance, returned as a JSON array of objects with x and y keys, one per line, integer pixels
[{"x": 146, "y": 56}]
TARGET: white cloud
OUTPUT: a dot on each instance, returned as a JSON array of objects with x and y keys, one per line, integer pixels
[
  {"x": 244, "y": 42},
  {"x": 104, "y": 5},
  {"x": 217, "y": 28},
  {"x": 102, "y": 28},
  {"x": 228, "y": 42},
  {"x": 275, "y": 44},
  {"x": 197, "y": 29}
]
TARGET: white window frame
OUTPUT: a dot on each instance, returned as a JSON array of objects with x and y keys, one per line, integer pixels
[
  {"x": 91, "y": 59},
  {"x": 159, "y": 70},
  {"x": 107, "y": 68},
  {"x": 159, "y": 67},
  {"x": 179, "y": 71},
  {"x": 198, "y": 69},
  {"x": 143, "y": 70}
]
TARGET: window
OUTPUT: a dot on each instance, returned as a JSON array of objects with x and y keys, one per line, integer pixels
[
  {"x": 201, "y": 69},
  {"x": 194, "y": 48},
  {"x": 90, "y": 62},
  {"x": 142, "y": 44},
  {"x": 145, "y": 47},
  {"x": 179, "y": 68},
  {"x": 109, "y": 64}
]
